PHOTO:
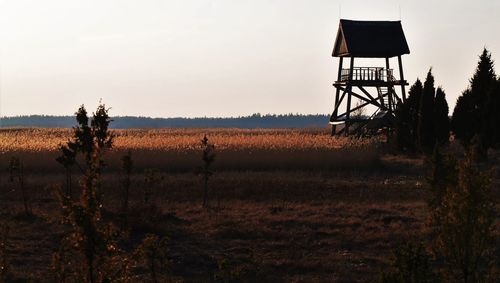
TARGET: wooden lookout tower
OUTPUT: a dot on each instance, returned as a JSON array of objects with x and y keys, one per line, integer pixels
[{"x": 375, "y": 88}]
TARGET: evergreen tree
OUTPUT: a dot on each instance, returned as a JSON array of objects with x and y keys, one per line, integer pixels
[
  {"x": 426, "y": 135},
  {"x": 90, "y": 235},
  {"x": 414, "y": 97},
  {"x": 493, "y": 117},
  {"x": 403, "y": 134},
  {"x": 462, "y": 122},
  {"x": 471, "y": 111},
  {"x": 441, "y": 120},
  {"x": 407, "y": 119},
  {"x": 483, "y": 79}
]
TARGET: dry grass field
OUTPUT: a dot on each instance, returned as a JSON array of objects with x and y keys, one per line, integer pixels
[
  {"x": 179, "y": 149},
  {"x": 286, "y": 205}
]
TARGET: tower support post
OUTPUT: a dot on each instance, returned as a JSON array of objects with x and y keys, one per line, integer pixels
[
  {"x": 389, "y": 87},
  {"x": 337, "y": 93},
  {"x": 401, "y": 77},
  {"x": 349, "y": 90}
]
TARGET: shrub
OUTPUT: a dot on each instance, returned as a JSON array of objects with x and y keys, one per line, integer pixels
[
  {"x": 127, "y": 164},
  {"x": 152, "y": 252},
  {"x": 208, "y": 157},
  {"x": 412, "y": 264},
  {"x": 16, "y": 177},
  {"x": 464, "y": 223},
  {"x": 68, "y": 160},
  {"x": 4, "y": 263},
  {"x": 228, "y": 272},
  {"x": 444, "y": 174},
  {"x": 152, "y": 179}
]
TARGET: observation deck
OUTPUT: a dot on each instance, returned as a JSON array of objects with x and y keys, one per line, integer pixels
[{"x": 369, "y": 76}]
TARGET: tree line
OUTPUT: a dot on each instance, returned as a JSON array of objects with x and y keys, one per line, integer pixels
[
  {"x": 422, "y": 121},
  {"x": 126, "y": 122},
  {"x": 459, "y": 244}
]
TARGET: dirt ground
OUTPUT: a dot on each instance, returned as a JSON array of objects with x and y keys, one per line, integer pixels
[{"x": 285, "y": 223}]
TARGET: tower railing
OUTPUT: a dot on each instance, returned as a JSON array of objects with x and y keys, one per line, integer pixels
[{"x": 367, "y": 74}]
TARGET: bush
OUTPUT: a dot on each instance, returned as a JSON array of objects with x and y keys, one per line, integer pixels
[
  {"x": 464, "y": 224},
  {"x": 4, "y": 263},
  {"x": 16, "y": 178},
  {"x": 152, "y": 252},
  {"x": 208, "y": 157},
  {"x": 412, "y": 264}
]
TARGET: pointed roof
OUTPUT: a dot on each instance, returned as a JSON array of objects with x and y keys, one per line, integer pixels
[{"x": 372, "y": 39}]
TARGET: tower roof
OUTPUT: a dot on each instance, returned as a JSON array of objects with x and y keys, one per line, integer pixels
[{"x": 371, "y": 39}]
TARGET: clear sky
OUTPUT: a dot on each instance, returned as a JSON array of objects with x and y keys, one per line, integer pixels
[{"x": 192, "y": 58}]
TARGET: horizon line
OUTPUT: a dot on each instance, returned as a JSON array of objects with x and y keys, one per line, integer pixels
[{"x": 175, "y": 117}]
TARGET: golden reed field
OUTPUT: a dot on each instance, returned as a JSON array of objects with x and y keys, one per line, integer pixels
[
  {"x": 178, "y": 149},
  {"x": 184, "y": 139},
  {"x": 286, "y": 205}
]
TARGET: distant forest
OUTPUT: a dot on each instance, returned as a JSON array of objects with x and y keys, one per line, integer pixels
[{"x": 127, "y": 122}]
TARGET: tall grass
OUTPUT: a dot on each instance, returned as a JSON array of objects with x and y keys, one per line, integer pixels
[
  {"x": 177, "y": 150},
  {"x": 185, "y": 139}
]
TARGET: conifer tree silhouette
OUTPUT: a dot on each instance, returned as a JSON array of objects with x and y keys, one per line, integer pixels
[
  {"x": 90, "y": 235},
  {"x": 426, "y": 135},
  {"x": 474, "y": 112},
  {"x": 407, "y": 116},
  {"x": 208, "y": 157},
  {"x": 441, "y": 119}
]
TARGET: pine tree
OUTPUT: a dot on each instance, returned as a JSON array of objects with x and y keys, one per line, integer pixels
[
  {"x": 407, "y": 119},
  {"x": 403, "y": 134},
  {"x": 208, "y": 157},
  {"x": 483, "y": 79},
  {"x": 441, "y": 120},
  {"x": 493, "y": 116},
  {"x": 90, "y": 236},
  {"x": 462, "y": 121},
  {"x": 414, "y": 97},
  {"x": 426, "y": 135},
  {"x": 471, "y": 112}
]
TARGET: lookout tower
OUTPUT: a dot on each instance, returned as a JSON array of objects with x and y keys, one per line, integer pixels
[{"x": 374, "y": 87}]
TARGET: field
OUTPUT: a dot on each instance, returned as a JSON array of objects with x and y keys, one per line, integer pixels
[{"x": 286, "y": 205}]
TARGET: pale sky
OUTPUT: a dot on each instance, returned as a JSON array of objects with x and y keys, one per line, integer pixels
[{"x": 217, "y": 57}]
